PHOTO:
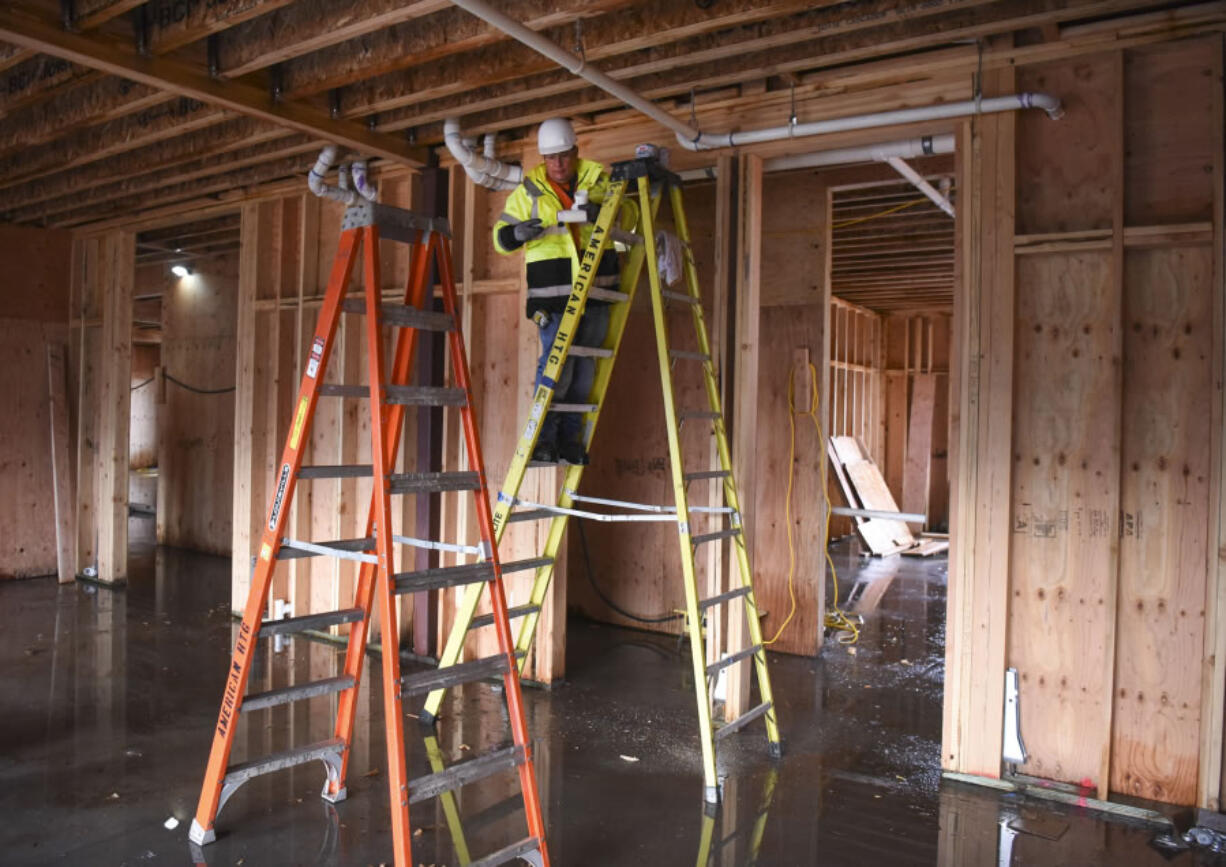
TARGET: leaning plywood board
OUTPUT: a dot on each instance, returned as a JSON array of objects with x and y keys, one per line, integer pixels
[{"x": 870, "y": 487}]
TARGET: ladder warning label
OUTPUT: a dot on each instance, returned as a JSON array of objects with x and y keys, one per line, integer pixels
[
  {"x": 299, "y": 421},
  {"x": 279, "y": 499},
  {"x": 317, "y": 354}
]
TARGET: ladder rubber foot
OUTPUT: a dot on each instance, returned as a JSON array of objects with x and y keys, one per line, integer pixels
[
  {"x": 426, "y": 719},
  {"x": 775, "y": 750},
  {"x": 199, "y": 835},
  {"x": 334, "y": 799}
]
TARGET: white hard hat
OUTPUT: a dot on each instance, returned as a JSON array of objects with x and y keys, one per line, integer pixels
[{"x": 555, "y": 136}]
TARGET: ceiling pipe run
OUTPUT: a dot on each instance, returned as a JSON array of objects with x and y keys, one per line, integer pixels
[
  {"x": 920, "y": 183},
  {"x": 696, "y": 140}
]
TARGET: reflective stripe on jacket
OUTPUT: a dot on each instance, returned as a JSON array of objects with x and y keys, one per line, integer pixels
[{"x": 551, "y": 259}]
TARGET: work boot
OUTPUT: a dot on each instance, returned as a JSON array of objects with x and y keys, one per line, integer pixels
[
  {"x": 545, "y": 453},
  {"x": 574, "y": 454}
]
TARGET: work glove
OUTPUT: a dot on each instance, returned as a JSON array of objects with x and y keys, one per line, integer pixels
[
  {"x": 528, "y": 230},
  {"x": 592, "y": 209}
]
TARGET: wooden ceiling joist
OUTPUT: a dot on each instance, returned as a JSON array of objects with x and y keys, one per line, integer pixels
[
  {"x": 231, "y": 135},
  {"x": 105, "y": 55},
  {"x": 90, "y": 104},
  {"x": 282, "y": 147},
  {"x": 191, "y": 230}
]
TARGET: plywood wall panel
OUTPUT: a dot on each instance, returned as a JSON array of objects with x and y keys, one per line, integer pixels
[
  {"x": 1164, "y": 510},
  {"x": 1169, "y": 163},
  {"x": 792, "y": 232},
  {"x": 1065, "y": 501},
  {"x": 1069, "y": 183},
  {"x": 142, "y": 438},
  {"x": 196, "y": 438}
]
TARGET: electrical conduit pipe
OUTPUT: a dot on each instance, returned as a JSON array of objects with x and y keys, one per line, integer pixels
[{"x": 695, "y": 140}]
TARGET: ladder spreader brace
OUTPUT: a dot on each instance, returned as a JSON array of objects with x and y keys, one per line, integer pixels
[
  {"x": 647, "y": 178},
  {"x": 389, "y": 392}
]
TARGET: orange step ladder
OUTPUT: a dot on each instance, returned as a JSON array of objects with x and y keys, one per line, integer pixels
[{"x": 389, "y": 392}]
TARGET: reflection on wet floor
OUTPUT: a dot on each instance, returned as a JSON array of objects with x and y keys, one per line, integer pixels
[{"x": 110, "y": 699}]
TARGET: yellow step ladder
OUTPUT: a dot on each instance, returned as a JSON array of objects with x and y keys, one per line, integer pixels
[{"x": 646, "y": 181}]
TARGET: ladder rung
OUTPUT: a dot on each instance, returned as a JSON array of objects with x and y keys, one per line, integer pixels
[
  {"x": 590, "y": 351},
  {"x": 404, "y": 315},
  {"x": 428, "y": 483},
  {"x": 572, "y": 407},
  {"x": 687, "y": 414},
  {"x": 682, "y": 354},
  {"x": 679, "y": 296},
  {"x": 512, "y": 613},
  {"x": 454, "y": 675},
  {"x": 448, "y": 576},
  {"x": 610, "y": 295},
  {"x": 236, "y": 774},
  {"x": 287, "y": 553},
  {"x": 425, "y": 395},
  {"x": 508, "y": 854},
  {"x": 525, "y": 565},
  {"x": 531, "y": 515},
  {"x": 743, "y": 720},
  {"x": 733, "y": 659},
  {"x": 706, "y": 474},
  {"x": 462, "y": 774},
  {"x": 330, "y": 389},
  {"x": 335, "y": 471},
  {"x": 704, "y": 604},
  {"x": 286, "y": 694},
  {"x": 309, "y": 621},
  {"x": 702, "y": 538}
]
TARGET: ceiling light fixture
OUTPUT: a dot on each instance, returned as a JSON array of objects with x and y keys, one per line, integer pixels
[{"x": 180, "y": 270}]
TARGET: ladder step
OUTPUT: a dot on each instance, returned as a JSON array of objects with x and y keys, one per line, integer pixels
[
  {"x": 679, "y": 296},
  {"x": 286, "y": 553},
  {"x": 286, "y": 759},
  {"x": 610, "y": 295},
  {"x": 309, "y": 621},
  {"x": 704, "y": 604},
  {"x": 531, "y": 515},
  {"x": 687, "y": 414},
  {"x": 509, "y": 853},
  {"x": 448, "y": 576},
  {"x": 707, "y": 474},
  {"x": 454, "y": 675},
  {"x": 525, "y": 565},
  {"x": 572, "y": 407},
  {"x": 591, "y": 351},
  {"x": 428, "y": 483},
  {"x": 512, "y": 613},
  {"x": 733, "y": 659},
  {"x": 425, "y": 395},
  {"x": 286, "y": 694},
  {"x": 462, "y": 774},
  {"x": 404, "y": 315},
  {"x": 703, "y": 538},
  {"x": 335, "y": 471},
  {"x": 681, "y": 354},
  {"x": 742, "y": 721},
  {"x": 405, "y": 395}
]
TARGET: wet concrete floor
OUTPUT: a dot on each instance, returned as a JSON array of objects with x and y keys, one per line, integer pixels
[{"x": 110, "y": 697}]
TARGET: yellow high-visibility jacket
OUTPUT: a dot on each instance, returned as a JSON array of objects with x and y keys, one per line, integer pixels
[{"x": 551, "y": 259}]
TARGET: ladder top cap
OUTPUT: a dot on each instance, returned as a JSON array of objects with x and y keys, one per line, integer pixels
[
  {"x": 629, "y": 170},
  {"x": 394, "y": 224}
]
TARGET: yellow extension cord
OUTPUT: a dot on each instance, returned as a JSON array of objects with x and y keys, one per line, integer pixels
[{"x": 836, "y": 620}]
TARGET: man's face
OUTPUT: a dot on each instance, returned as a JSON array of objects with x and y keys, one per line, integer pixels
[{"x": 561, "y": 167}]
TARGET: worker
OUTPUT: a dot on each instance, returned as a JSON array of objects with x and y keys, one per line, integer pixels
[{"x": 551, "y": 258}]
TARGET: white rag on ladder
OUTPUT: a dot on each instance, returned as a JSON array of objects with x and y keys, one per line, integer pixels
[{"x": 668, "y": 250}]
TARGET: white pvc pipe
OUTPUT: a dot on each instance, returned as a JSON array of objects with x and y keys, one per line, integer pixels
[
  {"x": 484, "y": 170},
  {"x": 693, "y": 139},
  {"x": 315, "y": 178},
  {"x": 920, "y": 183},
  {"x": 361, "y": 181},
  {"x": 906, "y": 149}
]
